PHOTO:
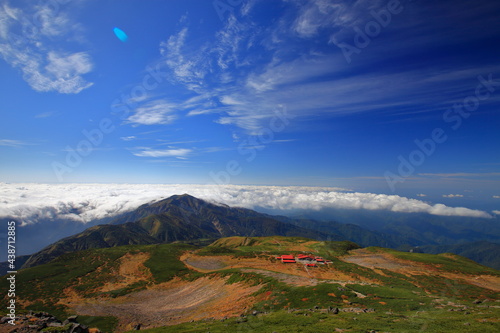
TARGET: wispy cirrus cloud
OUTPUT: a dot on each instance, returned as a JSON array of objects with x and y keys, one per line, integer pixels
[
  {"x": 461, "y": 174},
  {"x": 247, "y": 69},
  {"x": 26, "y": 42},
  {"x": 189, "y": 68},
  {"x": 45, "y": 114},
  {"x": 155, "y": 112},
  {"x": 13, "y": 143},
  {"x": 172, "y": 152},
  {"x": 325, "y": 14}
]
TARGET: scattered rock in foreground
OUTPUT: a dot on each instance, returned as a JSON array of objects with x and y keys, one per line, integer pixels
[{"x": 43, "y": 322}]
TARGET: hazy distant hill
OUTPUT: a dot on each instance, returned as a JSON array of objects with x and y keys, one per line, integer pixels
[
  {"x": 20, "y": 260},
  {"x": 352, "y": 232},
  {"x": 415, "y": 228},
  {"x": 486, "y": 253}
]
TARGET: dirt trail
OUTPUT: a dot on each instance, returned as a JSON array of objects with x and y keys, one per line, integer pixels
[{"x": 174, "y": 302}]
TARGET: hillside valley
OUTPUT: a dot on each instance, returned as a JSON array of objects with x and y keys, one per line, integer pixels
[{"x": 238, "y": 284}]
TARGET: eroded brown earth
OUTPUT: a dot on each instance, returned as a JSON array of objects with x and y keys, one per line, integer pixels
[{"x": 380, "y": 260}]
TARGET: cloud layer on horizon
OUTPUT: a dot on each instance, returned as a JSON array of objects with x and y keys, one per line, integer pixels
[{"x": 31, "y": 203}]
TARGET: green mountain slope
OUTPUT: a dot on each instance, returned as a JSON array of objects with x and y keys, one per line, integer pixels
[{"x": 100, "y": 236}]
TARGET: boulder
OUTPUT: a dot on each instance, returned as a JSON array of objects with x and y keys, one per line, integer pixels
[
  {"x": 78, "y": 328},
  {"x": 70, "y": 319}
]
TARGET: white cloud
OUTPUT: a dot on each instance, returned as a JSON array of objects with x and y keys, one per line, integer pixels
[
  {"x": 315, "y": 15},
  {"x": 128, "y": 138},
  {"x": 453, "y": 196},
  {"x": 421, "y": 195},
  {"x": 7, "y": 16},
  {"x": 147, "y": 152},
  {"x": 85, "y": 202},
  {"x": 461, "y": 174},
  {"x": 200, "y": 112},
  {"x": 188, "y": 67},
  {"x": 51, "y": 22},
  {"x": 13, "y": 143},
  {"x": 496, "y": 197},
  {"x": 44, "y": 67},
  {"x": 62, "y": 73},
  {"x": 496, "y": 212},
  {"x": 156, "y": 112},
  {"x": 45, "y": 114}
]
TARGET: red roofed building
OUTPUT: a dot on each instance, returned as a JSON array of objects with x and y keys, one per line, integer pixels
[
  {"x": 304, "y": 257},
  {"x": 287, "y": 258}
]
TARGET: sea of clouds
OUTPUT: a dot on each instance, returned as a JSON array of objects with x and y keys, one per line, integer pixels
[{"x": 31, "y": 203}]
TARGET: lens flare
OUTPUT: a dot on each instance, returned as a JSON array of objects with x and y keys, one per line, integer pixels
[{"x": 120, "y": 34}]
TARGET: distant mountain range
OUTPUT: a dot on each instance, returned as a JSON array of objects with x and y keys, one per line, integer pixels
[{"x": 184, "y": 218}]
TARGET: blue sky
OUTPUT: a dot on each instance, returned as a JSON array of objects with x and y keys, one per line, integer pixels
[{"x": 316, "y": 93}]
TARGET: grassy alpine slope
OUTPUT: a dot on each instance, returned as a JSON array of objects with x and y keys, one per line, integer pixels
[{"x": 237, "y": 285}]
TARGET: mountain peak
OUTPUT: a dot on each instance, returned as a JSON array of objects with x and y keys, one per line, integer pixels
[{"x": 181, "y": 200}]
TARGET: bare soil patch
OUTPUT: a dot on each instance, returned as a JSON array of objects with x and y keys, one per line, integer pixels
[
  {"x": 378, "y": 261},
  {"x": 205, "y": 264},
  {"x": 371, "y": 260},
  {"x": 483, "y": 281},
  {"x": 174, "y": 302},
  {"x": 131, "y": 270}
]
